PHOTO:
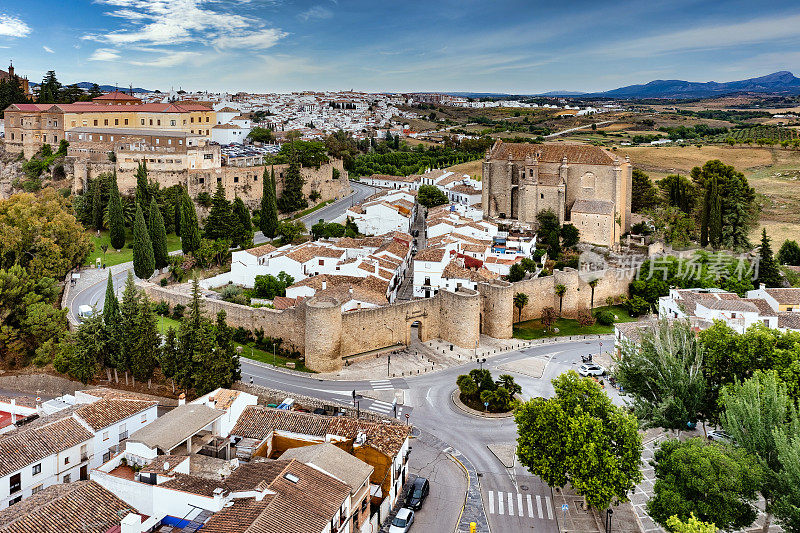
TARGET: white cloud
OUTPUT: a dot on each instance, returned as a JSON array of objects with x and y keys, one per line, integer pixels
[
  {"x": 316, "y": 13},
  {"x": 11, "y": 26},
  {"x": 259, "y": 40},
  {"x": 170, "y": 59},
  {"x": 48, "y": 50},
  {"x": 104, "y": 54}
]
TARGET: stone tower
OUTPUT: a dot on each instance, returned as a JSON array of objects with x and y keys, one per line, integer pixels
[
  {"x": 498, "y": 309},
  {"x": 323, "y": 334}
]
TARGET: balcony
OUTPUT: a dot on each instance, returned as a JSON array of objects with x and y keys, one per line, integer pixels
[
  {"x": 84, "y": 456},
  {"x": 123, "y": 436}
]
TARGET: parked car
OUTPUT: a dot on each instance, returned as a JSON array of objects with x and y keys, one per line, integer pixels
[
  {"x": 402, "y": 521},
  {"x": 418, "y": 493},
  {"x": 719, "y": 435},
  {"x": 591, "y": 369}
]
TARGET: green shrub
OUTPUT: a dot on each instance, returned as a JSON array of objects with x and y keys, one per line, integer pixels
[{"x": 604, "y": 317}]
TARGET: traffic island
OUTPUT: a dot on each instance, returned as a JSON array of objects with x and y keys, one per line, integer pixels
[{"x": 470, "y": 411}]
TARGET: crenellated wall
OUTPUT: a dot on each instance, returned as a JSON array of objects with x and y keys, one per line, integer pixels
[{"x": 326, "y": 336}]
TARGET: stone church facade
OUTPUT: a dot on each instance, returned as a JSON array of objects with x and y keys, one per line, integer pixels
[{"x": 584, "y": 185}]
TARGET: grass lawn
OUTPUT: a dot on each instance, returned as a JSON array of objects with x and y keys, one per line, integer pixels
[
  {"x": 248, "y": 351},
  {"x": 310, "y": 210},
  {"x": 533, "y": 329},
  {"x": 113, "y": 257}
]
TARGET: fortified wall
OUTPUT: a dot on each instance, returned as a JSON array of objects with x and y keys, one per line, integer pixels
[
  {"x": 327, "y": 336},
  {"x": 244, "y": 182}
]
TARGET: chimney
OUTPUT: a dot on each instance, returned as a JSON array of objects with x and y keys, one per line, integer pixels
[
  {"x": 182, "y": 399},
  {"x": 13, "y": 411},
  {"x": 761, "y": 286},
  {"x": 132, "y": 523},
  {"x": 324, "y": 284}
]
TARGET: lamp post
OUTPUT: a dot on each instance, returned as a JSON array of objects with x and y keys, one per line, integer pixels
[
  {"x": 273, "y": 353},
  {"x": 609, "y": 514},
  {"x": 481, "y": 361},
  {"x": 388, "y": 362}
]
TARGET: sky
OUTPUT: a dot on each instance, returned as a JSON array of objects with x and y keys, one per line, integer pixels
[{"x": 504, "y": 46}]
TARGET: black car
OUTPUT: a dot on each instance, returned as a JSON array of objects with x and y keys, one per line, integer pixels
[{"x": 417, "y": 494}]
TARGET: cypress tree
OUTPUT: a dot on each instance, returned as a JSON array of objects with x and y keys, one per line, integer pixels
[
  {"x": 112, "y": 320},
  {"x": 142, "y": 191},
  {"x": 111, "y": 304},
  {"x": 144, "y": 358},
  {"x": 220, "y": 223},
  {"x": 129, "y": 312},
  {"x": 158, "y": 236},
  {"x": 190, "y": 231},
  {"x": 116, "y": 219},
  {"x": 768, "y": 272},
  {"x": 177, "y": 210},
  {"x": 292, "y": 197},
  {"x": 715, "y": 216},
  {"x": 268, "y": 223},
  {"x": 143, "y": 259},
  {"x": 97, "y": 205},
  {"x": 243, "y": 234},
  {"x": 704, "y": 215}
]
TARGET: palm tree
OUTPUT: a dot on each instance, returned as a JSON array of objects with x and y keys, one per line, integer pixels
[
  {"x": 520, "y": 301},
  {"x": 593, "y": 284},
  {"x": 561, "y": 289}
]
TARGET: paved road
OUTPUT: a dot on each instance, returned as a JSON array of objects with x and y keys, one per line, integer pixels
[
  {"x": 430, "y": 408},
  {"x": 331, "y": 211}
]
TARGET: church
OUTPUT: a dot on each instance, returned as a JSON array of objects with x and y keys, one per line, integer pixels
[
  {"x": 10, "y": 76},
  {"x": 584, "y": 185}
]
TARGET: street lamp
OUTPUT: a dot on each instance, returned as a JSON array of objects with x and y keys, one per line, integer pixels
[
  {"x": 481, "y": 361},
  {"x": 609, "y": 514},
  {"x": 388, "y": 362}
]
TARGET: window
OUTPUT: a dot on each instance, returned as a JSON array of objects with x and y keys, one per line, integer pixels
[
  {"x": 105, "y": 435},
  {"x": 84, "y": 453},
  {"x": 15, "y": 500},
  {"x": 95, "y": 122},
  {"x": 321, "y": 262},
  {"x": 85, "y": 123},
  {"x": 36, "y": 469},
  {"x": 107, "y": 457},
  {"x": 66, "y": 460},
  {"x": 116, "y": 122},
  {"x": 144, "y": 418},
  {"x": 542, "y": 196},
  {"x": 73, "y": 123},
  {"x": 151, "y": 121},
  {"x": 208, "y": 156},
  {"x": 67, "y": 478},
  {"x": 105, "y": 122},
  {"x": 126, "y": 121},
  {"x": 219, "y": 180},
  {"x": 201, "y": 180},
  {"x": 172, "y": 123},
  {"x": 37, "y": 488},
  {"x": 206, "y": 119},
  {"x": 158, "y": 122},
  {"x": 236, "y": 179},
  {"x": 15, "y": 483},
  {"x": 191, "y": 120},
  {"x": 142, "y": 122}
]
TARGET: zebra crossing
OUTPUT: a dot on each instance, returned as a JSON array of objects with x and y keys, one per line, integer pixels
[
  {"x": 381, "y": 384},
  {"x": 381, "y": 407},
  {"x": 519, "y": 504}
]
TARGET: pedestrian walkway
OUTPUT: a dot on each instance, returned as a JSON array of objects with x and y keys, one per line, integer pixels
[
  {"x": 520, "y": 504},
  {"x": 384, "y": 408},
  {"x": 381, "y": 384}
]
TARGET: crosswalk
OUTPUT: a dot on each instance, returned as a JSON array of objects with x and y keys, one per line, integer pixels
[
  {"x": 519, "y": 504},
  {"x": 381, "y": 384},
  {"x": 381, "y": 407}
]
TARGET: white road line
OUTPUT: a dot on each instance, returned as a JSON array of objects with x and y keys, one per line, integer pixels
[
  {"x": 510, "y": 504},
  {"x": 539, "y": 505},
  {"x": 520, "y": 510},
  {"x": 491, "y": 502},
  {"x": 549, "y": 507},
  {"x": 500, "y": 505}
]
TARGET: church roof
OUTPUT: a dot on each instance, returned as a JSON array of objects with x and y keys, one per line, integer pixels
[{"x": 578, "y": 154}]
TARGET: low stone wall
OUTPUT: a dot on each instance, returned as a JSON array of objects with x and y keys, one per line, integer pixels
[{"x": 45, "y": 385}]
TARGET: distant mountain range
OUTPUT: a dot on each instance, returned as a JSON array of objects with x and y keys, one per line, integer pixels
[
  {"x": 782, "y": 82},
  {"x": 104, "y": 88}
]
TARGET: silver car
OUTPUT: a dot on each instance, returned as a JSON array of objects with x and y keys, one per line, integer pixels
[{"x": 591, "y": 369}]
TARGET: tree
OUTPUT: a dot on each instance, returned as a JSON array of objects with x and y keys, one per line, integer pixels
[
  {"x": 128, "y": 325},
  {"x": 520, "y": 301},
  {"x": 261, "y": 135},
  {"x": 663, "y": 375},
  {"x": 158, "y": 236},
  {"x": 90, "y": 346},
  {"x": 144, "y": 358},
  {"x": 40, "y": 234},
  {"x": 190, "y": 229},
  {"x": 592, "y": 284},
  {"x": 292, "y": 198},
  {"x": 50, "y": 89},
  {"x": 268, "y": 286},
  {"x": 431, "y": 196},
  {"x": 789, "y": 254},
  {"x": 11, "y": 92},
  {"x": 570, "y": 236},
  {"x": 143, "y": 189},
  {"x": 787, "y": 507},
  {"x": 756, "y": 414},
  {"x": 680, "y": 192},
  {"x": 111, "y": 304},
  {"x": 714, "y": 482},
  {"x": 692, "y": 525},
  {"x": 581, "y": 438},
  {"x": 112, "y": 320},
  {"x": 116, "y": 219},
  {"x": 220, "y": 222},
  {"x": 561, "y": 290},
  {"x": 549, "y": 232},
  {"x": 644, "y": 194},
  {"x": 291, "y": 230},
  {"x": 243, "y": 231},
  {"x": 143, "y": 257},
  {"x": 768, "y": 272},
  {"x": 268, "y": 222},
  {"x": 97, "y": 206},
  {"x": 220, "y": 367},
  {"x": 548, "y": 318}
]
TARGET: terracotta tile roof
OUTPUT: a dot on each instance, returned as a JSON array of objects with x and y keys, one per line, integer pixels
[
  {"x": 78, "y": 507},
  {"x": 728, "y": 305},
  {"x": 342, "y": 294},
  {"x": 375, "y": 284},
  {"x": 29, "y": 444},
  {"x": 351, "y": 470},
  {"x": 24, "y": 401},
  {"x": 117, "y": 96},
  {"x": 593, "y": 207},
  {"x": 227, "y": 109},
  {"x": 264, "y": 249},
  {"x": 224, "y": 398},
  {"x": 315, "y": 282},
  {"x": 465, "y": 189},
  {"x": 430, "y": 254},
  {"x": 785, "y": 296},
  {"x": 453, "y": 270},
  {"x": 395, "y": 248},
  {"x": 789, "y": 320},
  {"x": 302, "y": 254},
  {"x": 553, "y": 153},
  {"x": 103, "y": 413},
  {"x": 239, "y": 517},
  {"x": 763, "y": 306},
  {"x": 282, "y": 302},
  {"x": 258, "y": 422}
]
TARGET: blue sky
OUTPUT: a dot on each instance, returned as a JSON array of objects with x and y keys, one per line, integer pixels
[{"x": 376, "y": 45}]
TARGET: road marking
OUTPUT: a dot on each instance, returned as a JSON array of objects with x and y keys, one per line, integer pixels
[
  {"x": 381, "y": 384},
  {"x": 380, "y": 406},
  {"x": 549, "y": 508},
  {"x": 519, "y": 505},
  {"x": 491, "y": 502},
  {"x": 530, "y": 506},
  {"x": 539, "y": 505},
  {"x": 500, "y": 506},
  {"x": 510, "y": 504}
]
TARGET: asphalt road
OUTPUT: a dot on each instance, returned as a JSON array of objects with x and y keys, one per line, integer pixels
[
  {"x": 94, "y": 295},
  {"x": 430, "y": 408}
]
